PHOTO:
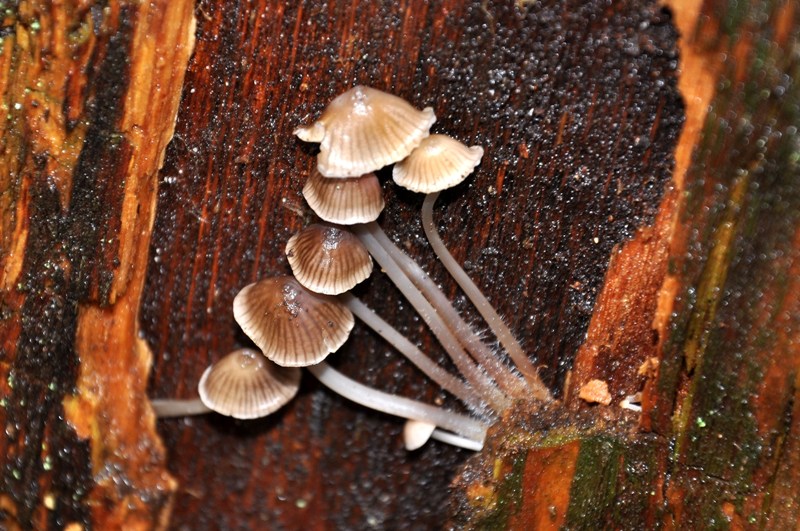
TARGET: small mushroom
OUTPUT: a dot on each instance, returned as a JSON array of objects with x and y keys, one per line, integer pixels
[
  {"x": 292, "y": 325},
  {"x": 365, "y": 129},
  {"x": 327, "y": 259},
  {"x": 416, "y": 433},
  {"x": 632, "y": 402},
  {"x": 344, "y": 201},
  {"x": 245, "y": 385},
  {"x": 438, "y": 163}
]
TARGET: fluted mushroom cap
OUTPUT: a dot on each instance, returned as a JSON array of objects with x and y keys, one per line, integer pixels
[
  {"x": 246, "y": 385},
  {"x": 328, "y": 259},
  {"x": 364, "y": 130},
  {"x": 344, "y": 201},
  {"x": 293, "y": 326},
  {"x": 438, "y": 163}
]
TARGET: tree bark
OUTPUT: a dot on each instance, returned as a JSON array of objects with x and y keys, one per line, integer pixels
[
  {"x": 699, "y": 311},
  {"x": 621, "y": 245},
  {"x": 90, "y": 95}
]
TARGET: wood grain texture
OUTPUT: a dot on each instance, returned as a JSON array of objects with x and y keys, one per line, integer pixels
[
  {"x": 715, "y": 445},
  {"x": 90, "y": 93},
  {"x": 576, "y": 106},
  {"x": 731, "y": 361}
]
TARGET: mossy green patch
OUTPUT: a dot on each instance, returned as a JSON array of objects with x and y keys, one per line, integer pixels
[
  {"x": 594, "y": 485},
  {"x": 508, "y": 497}
]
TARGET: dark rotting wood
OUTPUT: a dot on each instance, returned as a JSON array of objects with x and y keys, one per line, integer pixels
[{"x": 576, "y": 106}]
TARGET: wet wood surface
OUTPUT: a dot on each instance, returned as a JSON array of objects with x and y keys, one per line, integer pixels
[
  {"x": 572, "y": 168},
  {"x": 714, "y": 346},
  {"x": 90, "y": 95},
  {"x": 576, "y": 225}
]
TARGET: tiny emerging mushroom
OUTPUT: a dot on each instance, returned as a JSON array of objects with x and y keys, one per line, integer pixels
[
  {"x": 344, "y": 201},
  {"x": 292, "y": 325},
  {"x": 364, "y": 130},
  {"x": 416, "y": 433},
  {"x": 438, "y": 163},
  {"x": 242, "y": 385},
  {"x": 327, "y": 259},
  {"x": 632, "y": 402}
]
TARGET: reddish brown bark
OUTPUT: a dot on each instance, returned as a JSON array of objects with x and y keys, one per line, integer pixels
[
  {"x": 588, "y": 224},
  {"x": 579, "y": 122},
  {"x": 718, "y": 367},
  {"x": 92, "y": 93}
]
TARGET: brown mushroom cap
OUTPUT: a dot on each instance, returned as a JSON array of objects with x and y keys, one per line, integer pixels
[
  {"x": 344, "y": 201},
  {"x": 438, "y": 163},
  {"x": 293, "y": 326},
  {"x": 246, "y": 385},
  {"x": 364, "y": 130},
  {"x": 328, "y": 259}
]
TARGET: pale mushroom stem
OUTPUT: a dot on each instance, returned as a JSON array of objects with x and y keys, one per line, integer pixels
[
  {"x": 398, "y": 406},
  {"x": 472, "y": 372},
  {"x": 456, "y": 440},
  {"x": 168, "y": 407},
  {"x": 510, "y": 382},
  {"x": 444, "y": 379},
  {"x": 490, "y": 315}
]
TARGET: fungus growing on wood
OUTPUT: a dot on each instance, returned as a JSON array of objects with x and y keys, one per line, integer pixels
[
  {"x": 344, "y": 201},
  {"x": 242, "y": 385},
  {"x": 364, "y": 130},
  {"x": 438, "y": 163},
  {"x": 293, "y": 326},
  {"x": 327, "y": 259},
  {"x": 489, "y": 384}
]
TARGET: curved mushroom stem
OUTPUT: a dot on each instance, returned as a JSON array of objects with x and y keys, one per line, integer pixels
[
  {"x": 495, "y": 322},
  {"x": 472, "y": 372},
  {"x": 168, "y": 407},
  {"x": 509, "y": 381},
  {"x": 396, "y": 405},
  {"x": 456, "y": 440},
  {"x": 432, "y": 370}
]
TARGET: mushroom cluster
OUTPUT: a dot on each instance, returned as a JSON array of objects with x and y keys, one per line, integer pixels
[{"x": 297, "y": 321}]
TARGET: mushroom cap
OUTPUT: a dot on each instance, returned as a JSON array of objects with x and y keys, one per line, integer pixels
[
  {"x": 364, "y": 130},
  {"x": 293, "y": 326},
  {"x": 416, "y": 433},
  {"x": 344, "y": 201},
  {"x": 328, "y": 259},
  {"x": 438, "y": 163},
  {"x": 246, "y": 385}
]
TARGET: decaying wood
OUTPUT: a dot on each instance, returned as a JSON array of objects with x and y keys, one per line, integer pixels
[
  {"x": 579, "y": 123},
  {"x": 90, "y": 93},
  {"x": 617, "y": 250},
  {"x": 705, "y": 303}
]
